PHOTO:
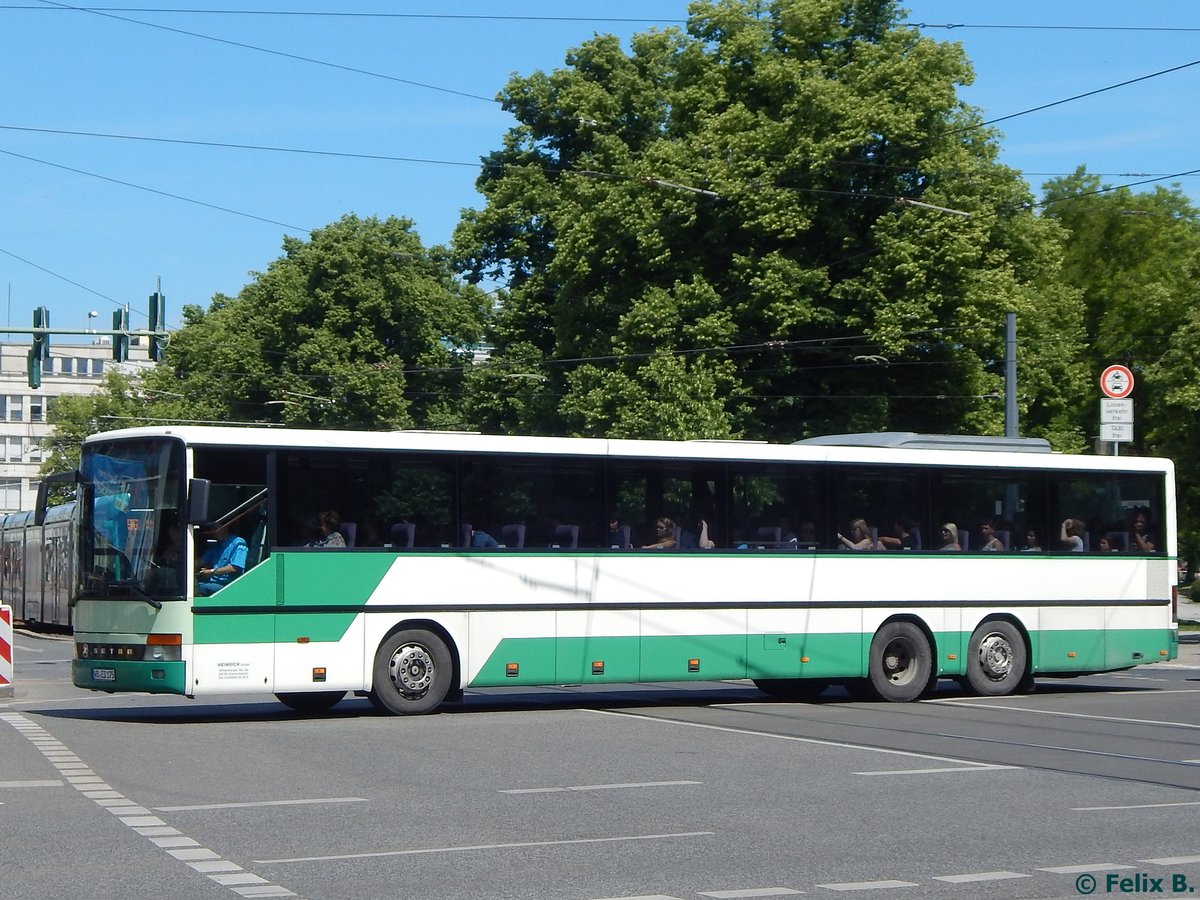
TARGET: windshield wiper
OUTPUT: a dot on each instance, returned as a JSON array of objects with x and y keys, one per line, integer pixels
[{"x": 133, "y": 588}]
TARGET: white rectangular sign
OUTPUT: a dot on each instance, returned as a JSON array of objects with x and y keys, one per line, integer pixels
[
  {"x": 1116, "y": 432},
  {"x": 1116, "y": 412}
]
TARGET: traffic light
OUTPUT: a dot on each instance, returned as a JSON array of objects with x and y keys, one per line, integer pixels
[
  {"x": 120, "y": 343},
  {"x": 34, "y": 367},
  {"x": 41, "y": 342},
  {"x": 158, "y": 325},
  {"x": 41, "y": 346}
]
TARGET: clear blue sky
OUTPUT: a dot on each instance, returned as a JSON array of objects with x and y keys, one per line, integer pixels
[{"x": 67, "y": 70}]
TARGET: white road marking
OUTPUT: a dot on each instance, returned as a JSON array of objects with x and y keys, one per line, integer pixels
[
  {"x": 596, "y": 787},
  {"x": 785, "y": 737},
  {"x": 506, "y": 846},
  {"x": 975, "y": 768},
  {"x": 154, "y": 829},
  {"x": 50, "y": 782},
  {"x": 1172, "y": 860},
  {"x": 1075, "y": 870},
  {"x": 1134, "y": 806},
  {"x": 979, "y": 876},
  {"x": 24, "y": 648},
  {"x": 259, "y": 803},
  {"x": 750, "y": 892},
  {"x": 1069, "y": 715},
  {"x": 868, "y": 885},
  {"x": 1190, "y": 760}
]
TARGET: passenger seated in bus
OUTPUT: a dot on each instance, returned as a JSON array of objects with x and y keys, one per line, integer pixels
[
  {"x": 949, "y": 538},
  {"x": 901, "y": 538},
  {"x": 328, "y": 535},
  {"x": 700, "y": 540},
  {"x": 1142, "y": 539},
  {"x": 860, "y": 536},
  {"x": 1104, "y": 545},
  {"x": 1071, "y": 535},
  {"x": 664, "y": 535},
  {"x": 1032, "y": 543},
  {"x": 481, "y": 540},
  {"x": 222, "y": 562},
  {"x": 991, "y": 541}
]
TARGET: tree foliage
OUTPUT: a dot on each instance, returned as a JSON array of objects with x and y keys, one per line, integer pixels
[
  {"x": 1135, "y": 258},
  {"x": 708, "y": 224},
  {"x": 358, "y": 326}
]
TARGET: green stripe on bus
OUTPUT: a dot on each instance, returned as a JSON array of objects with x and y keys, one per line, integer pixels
[
  {"x": 290, "y": 582},
  {"x": 600, "y": 660}
]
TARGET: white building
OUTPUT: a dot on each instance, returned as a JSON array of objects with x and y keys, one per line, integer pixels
[{"x": 71, "y": 369}]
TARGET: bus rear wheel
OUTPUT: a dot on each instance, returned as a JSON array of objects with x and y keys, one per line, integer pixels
[
  {"x": 996, "y": 659},
  {"x": 311, "y": 701},
  {"x": 901, "y": 662},
  {"x": 412, "y": 673}
]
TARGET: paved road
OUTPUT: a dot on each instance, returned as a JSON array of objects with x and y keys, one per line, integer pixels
[{"x": 661, "y": 791}]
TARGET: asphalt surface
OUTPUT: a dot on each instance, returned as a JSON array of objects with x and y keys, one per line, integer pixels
[{"x": 638, "y": 791}]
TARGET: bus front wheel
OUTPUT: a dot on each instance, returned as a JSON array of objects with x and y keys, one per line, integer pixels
[
  {"x": 412, "y": 673},
  {"x": 901, "y": 662},
  {"x": 996, "y": 659}
]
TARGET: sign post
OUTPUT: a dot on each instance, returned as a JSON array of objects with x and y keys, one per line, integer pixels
[{"x": 1116, "y": 407}]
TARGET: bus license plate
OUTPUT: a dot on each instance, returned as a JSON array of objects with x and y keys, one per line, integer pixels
[{"x": 104, "y": 674}]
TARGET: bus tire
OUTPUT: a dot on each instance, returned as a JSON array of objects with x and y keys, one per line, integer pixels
[
  {"x": 901, "y": 662},
  {"x": 412, "y": 673},
  {"x": 996, "y": 659},
  {"x": 310, "y": 701},
  {"x": 792, "y": 688}
]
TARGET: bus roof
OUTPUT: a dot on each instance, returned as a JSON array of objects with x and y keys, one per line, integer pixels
[
  {"x": 887, "y": 447},
  {"x": 912, "y": 440}
]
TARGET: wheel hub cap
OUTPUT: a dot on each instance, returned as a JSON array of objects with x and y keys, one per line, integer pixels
[
  {"x": 411, "y": 669},
  {"x": 897, "y": 661},
  {"x": 995, "y": 656}
]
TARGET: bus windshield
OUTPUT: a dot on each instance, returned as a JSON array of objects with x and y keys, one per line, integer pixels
[{"x": 131, "y": 528}]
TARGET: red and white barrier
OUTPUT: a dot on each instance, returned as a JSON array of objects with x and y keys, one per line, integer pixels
[{"x": 6, "y": 652}]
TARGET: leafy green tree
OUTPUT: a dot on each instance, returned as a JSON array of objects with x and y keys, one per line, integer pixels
[
  {"x": 358, "y": 326},
  {"x": 1135, "y": 258},
  {"x": 701, "y": 237}
]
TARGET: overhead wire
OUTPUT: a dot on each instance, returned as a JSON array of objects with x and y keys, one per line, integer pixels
[
  {"x": 142, "y": 187},
  {"x": 108, "y": 13},
  {"x": 280, "y": 53}
]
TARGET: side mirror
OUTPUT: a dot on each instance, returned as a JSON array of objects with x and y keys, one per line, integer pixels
[
  {"x": 197, "y": 508},
  {"x": 43, "y": 494}
]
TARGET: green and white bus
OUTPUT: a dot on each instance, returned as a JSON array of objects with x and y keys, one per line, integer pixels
[{"x": 475, "y": 561}]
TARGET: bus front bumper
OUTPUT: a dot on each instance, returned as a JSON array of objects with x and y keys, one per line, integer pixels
[{"x": 151, "y": 677}]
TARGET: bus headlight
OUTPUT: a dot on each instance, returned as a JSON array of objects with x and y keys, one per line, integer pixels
[{"x": 163, "y": 647}]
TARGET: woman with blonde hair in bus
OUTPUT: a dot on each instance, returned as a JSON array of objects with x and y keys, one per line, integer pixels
[{"x": 860, "y": 536}]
